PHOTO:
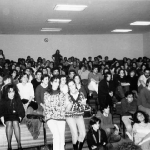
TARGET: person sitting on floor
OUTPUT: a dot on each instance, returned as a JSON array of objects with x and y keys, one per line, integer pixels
[
  {"x": 128, "y": 107},
  {"x": 96, "y": 137},
  {"x": 112, "y": 130}
]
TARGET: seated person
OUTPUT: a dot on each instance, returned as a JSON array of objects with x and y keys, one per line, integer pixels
[
  {"x": 128, "y": 107},
  {"x": 96, "y": 137},
  {"x": 144, "y": 98},
  {"x": 112, "y": 130},
  {"x": 141, "y": 130}
]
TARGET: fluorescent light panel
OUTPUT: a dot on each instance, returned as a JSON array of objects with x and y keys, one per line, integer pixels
[
  {"x": 51, "y": 29},
  {"x": 59, "y": 20},
  {"x": 70, "y": 7},
  {"x": 122, "y": 30},
  {"x": 140, "y": 23}
]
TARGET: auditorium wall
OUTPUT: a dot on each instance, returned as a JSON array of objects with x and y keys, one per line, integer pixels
[
  {"x": 146, "y": 44},
  {"x": 112, "y": 45}
]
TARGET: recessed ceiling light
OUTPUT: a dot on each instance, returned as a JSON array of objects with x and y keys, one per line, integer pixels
[
  {"x": 59, "y": 20},
  {"x": 122, "y": 30},
  {"x": 51, "y": 29},
  {"x": 140, "y": 23},
  {"x": 70, "y": 7}
]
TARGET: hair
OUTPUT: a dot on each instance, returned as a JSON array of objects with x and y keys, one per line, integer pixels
[
  {"x": 104, "y": 106},
  {"x": 23, "y": 74},
  {"x": 17, "y": 74},
  {"x": 144, "y": 114},
  {"x": 11, "y": 86},
  {"x": 95, "y": 66},
  {"x": 7, "y": 77},
  {"x": 55, "y": 68},
  {"x": 128, "y": 93},
  {"x": 128, "y": 146},
  {"x": 71, "y": 70},
  {"x": 106, "y": 74},
  {"x": 120, "y": 71},
  {"x": 54, "y": 78},
  {"x": 44, "y": 76},
  {"x": 94, "y": 120},
  {"x": 38, "y": 71},
  {"x": 77, "y": 76}
]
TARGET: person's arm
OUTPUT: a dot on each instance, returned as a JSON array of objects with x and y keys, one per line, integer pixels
[
  {"x": 2, "y": 120},
  {"x": 144, "y": 98}
]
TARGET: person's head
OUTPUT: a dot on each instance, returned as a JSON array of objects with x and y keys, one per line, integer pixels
[
  {"x": 44, "y": 70},
  {"x": 132, "y": 73},
  {"x": 121, "y": 73},
  {"x": 18, "y": 68},
  {"x": 63, "y": 79},
  {"x": 107, "y": 76},
  {"x": 28, "y": 71},
  {"x": 129, "y": 96},
  {"x": 11, "y": 91},
  {"x": 105, "y": 108},
  {"x": 14, "y": 73},
  {"x": 77, "y": 79},
  {"x": 95, "y": 69},
  {"x": 71, "y": 74},
  {"x": 54, "y": 82},
  {"x": 55, "y": 71},
  {"x": 140, "y": 116},
  {"x": 45, "y": 79},
  {"x": 143, "y": 66},
  {"x": 95, "y": 123},
  {"x": 7, "y": 79},
  {"x": 38, "y": 74},
  {"x": 146, "y": 72},
  {"x": 71, "y": 85},
  {"x": 24, "y": 78}
]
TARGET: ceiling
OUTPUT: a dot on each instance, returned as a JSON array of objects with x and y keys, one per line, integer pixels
[{"x": 100, "y": 17}]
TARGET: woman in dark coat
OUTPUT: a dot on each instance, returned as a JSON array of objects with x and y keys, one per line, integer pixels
[
  {"x": 12, "y": 113},
  {"x": 96, "y": 137}
]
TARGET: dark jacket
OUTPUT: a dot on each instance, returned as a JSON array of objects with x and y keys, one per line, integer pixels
[{"x": 93, "y": 138}]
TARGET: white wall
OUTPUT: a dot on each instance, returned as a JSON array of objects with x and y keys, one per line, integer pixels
[
  {"x": 146, "y": 44},
  {"x": 113, "y": 45}
]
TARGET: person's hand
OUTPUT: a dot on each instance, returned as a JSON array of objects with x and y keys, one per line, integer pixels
[
  {"x": 93, "y": 147},
  {"x": 111, "y": 94},
  {"x": 20, "y": 118}
]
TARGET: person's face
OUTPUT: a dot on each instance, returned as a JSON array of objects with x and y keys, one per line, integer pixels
[
  {"x": 121, "y": 73},
  {"x": 95, "y": 70},
  {"x": 55, "y": 84},
  {"x": 83, "y": 69},
  {"x": 77, "y": 80},
  {"x": 11, "y": 93},
  {"x": 108, "y": 77},
  {"x": 140, "y": 117},
  {"x": 45, "y": 81},
  {"x": 130, "y": 98},
  {"x": 18, "y": 69},
  {"x": 63, "y": 80},
  {"x": 71, "y": 75},
  {"x": 106, "y": 110},
  {"x": 132, "y": 74},
  {"x": 24, "y": 79},
  {"x": 56, "y": 72},
  {"x": 28, "y": 71},
  {"x": 13, "y": 67},
  {"x": 143, "y": 67},
  {"x": 96, "y": 126},
  {"x": 14, "y": 74},
  {"x": 39, "y": 75},
  {"x": 147, "y": 73},
  {"x": 71, "y": 86},
  {"x": 44, "y": 71}
]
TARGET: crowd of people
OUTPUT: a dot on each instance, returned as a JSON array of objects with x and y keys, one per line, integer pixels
[{"x": 60, "y": 91}]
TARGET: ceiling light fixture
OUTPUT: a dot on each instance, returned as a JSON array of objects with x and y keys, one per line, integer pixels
[
  {"x": 51, "y": 29},
  {"x": 59, "y": 20},
  {"x": 140, "y": 23},
  {"x": 70, "y": 7},
  {"x": 122, "y": 30}
]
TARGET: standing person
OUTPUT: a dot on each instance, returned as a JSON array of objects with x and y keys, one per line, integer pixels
[
  {"x": 74, "y": 115},
  {"x": 12, "y": 113},
  {"x": 94, "y": 78},
  {"x": 57, "y": 58},
  {"x": 96, "y": 137},
  {"x": 54, "y": 108}
]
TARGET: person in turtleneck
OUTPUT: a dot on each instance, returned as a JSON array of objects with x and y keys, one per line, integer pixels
[{"x": 105, "y": 92}]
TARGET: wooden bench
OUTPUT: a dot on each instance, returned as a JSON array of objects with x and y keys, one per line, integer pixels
[{"x": 27, "y": 140}]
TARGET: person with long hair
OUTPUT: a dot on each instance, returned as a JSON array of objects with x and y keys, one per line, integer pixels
[
  {"x": 96, "y": 137},
  {"x": 12, "y": 113},
  {"x": 141, "y": 130},
  {"x": 74, "y": 115},
  {"x": 54, "y": 109}
]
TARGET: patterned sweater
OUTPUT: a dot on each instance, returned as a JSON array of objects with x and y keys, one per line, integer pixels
[{"x": 55, "y": 106}]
